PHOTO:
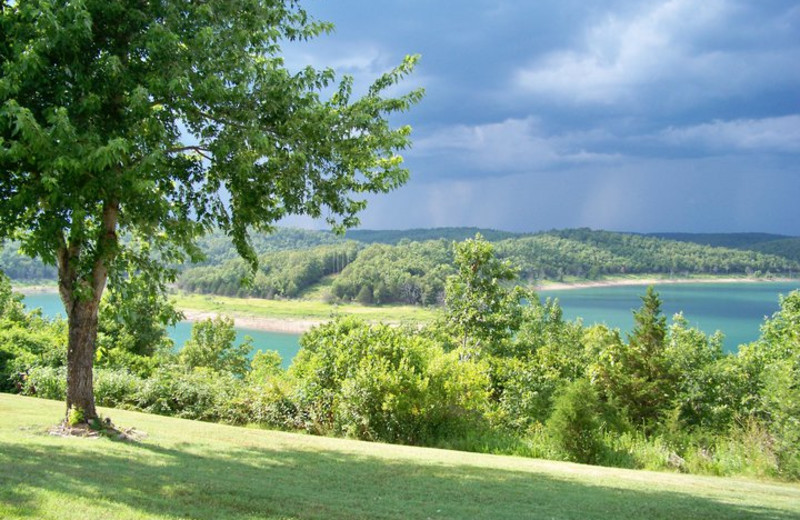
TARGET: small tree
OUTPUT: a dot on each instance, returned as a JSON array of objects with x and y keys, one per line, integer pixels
[
  {"x": 637, "y": 375},
  {"x": 575, "y": 425},
  {"x": 482, "y": 309},
  {"x": 130, "y": 128},
  {"x": 211, "y": 346}
]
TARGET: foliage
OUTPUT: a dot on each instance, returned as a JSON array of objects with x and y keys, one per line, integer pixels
[
  {"x": 283, "y": 274},
  {"x": 134, "y": 316},
  {"x": 589, "y": 254},
  {"x": 18, "y": 266},
  {"x": 75, "y": 416},
  {"x": 264, "y": 366},
  {"x": 482, "y": 310},
  {"x": 637, "y": 375},
  {"x": 45, "y": 382},
  {"x": 27, "y": 340},
  {"x": 546, "y": 353},
  {"x": 411, "y": 273},
  {"x": 772, "y": 365},
  {"x": 201, "y": 394},
  {"x": 116, "y": 387},
  {"x": 211, "y": 346},
  {"x": 129, "y": 130},
  {"x": 382, "y": 383},
  {"x": 575, "y": 425}
]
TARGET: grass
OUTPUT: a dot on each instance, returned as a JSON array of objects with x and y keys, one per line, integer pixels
[
  {"x": 186, "y": 469},
  {"x": 301, "y": 309}
]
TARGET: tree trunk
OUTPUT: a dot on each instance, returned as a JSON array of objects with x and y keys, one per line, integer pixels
[
  {"x": 80, "y": 357},
  {"x": 81, "y": 293}
]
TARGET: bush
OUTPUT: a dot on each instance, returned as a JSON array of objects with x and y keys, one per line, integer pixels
[
  {"x": 115, "y": 388},
  {"x": 383, "y": 383},
  {"x": 268, "y": 403},
  {"x": 202, "y": 394},
  {"x": 46, "y": 382},
  {"x": 574, "y": 424}
]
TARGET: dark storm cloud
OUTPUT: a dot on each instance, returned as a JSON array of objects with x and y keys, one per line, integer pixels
[{"x": 555, "y": 114}]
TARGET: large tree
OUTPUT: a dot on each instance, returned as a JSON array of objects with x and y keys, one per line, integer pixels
[{"x": 128, "y": 128}]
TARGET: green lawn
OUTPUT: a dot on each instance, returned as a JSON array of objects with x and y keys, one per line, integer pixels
[{"x": 186, "y": 469}]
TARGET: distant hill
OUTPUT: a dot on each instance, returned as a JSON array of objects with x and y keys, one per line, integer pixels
[
  {"x": 732, "y": 240},
  {"x": 779, "y": 245},
  {"x": 292, "y": 260},
  {"x": 457, "y": 234}
]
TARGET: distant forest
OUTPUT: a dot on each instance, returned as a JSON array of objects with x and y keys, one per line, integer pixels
[{"x": 377, "y": 267}]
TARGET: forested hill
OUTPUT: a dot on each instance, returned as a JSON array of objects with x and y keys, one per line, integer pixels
[
  {"x": 780, "y": 245},
  {"x": 414, "y": 272},
  {"x": 457, "y": 234},
  {"x": 411, "y": 266}
]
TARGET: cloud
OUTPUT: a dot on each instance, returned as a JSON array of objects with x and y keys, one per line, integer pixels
[
  {"x": 504, "y": 148},
  {"x": 685, "y": 50},
  {"x": 775, "y": 134}
]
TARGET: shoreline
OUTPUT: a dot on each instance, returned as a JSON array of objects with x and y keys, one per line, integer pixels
[
  {"x": 622, "y": 282},
  {"x": 263, "y": 324}
]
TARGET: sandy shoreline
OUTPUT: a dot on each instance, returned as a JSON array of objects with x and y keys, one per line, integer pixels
[
  {"x": 559, "y": 286},
  {"x": 265, "y": 324}
]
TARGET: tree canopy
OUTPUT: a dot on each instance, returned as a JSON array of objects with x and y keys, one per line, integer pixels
[{"x": 130, "y": 128}]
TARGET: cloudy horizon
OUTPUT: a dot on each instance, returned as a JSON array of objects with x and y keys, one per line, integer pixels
[{"x": 654, "y": 116}]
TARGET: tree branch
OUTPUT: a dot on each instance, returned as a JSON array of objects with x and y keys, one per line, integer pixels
[{"x": 203, "y": 152}]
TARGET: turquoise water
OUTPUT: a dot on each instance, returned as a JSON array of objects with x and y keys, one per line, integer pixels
[
  {"x": 286, "y": 344},
  {"x": 737, "y": 309}
]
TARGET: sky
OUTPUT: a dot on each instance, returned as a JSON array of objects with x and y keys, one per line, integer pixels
[{"x": 624, "y": 115}]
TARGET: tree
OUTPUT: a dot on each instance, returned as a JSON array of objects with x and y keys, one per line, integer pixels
[
  {"x": 130, "y": 128},
  {"x": 211, "y": 346},
  {"x": 637, "y": 375},
  {"x": 482, "y": 309}
]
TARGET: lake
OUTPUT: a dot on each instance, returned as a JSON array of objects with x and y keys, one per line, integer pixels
[
  {"x": 285, "y": 344},
  {"x": 737, "y": 309}
]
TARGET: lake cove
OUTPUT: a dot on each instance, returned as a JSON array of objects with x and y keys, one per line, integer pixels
[
  {"x": 737, "y": 309},
  {"x": 285, "y": 344}
]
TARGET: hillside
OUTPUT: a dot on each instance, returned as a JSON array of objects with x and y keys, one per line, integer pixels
[
  {"x": 457, "y": 234},
  {"x": 779, "y": 245},
  {"x": 410, "y": 267},
  {"x": 414, "y": 272},
  {"x": 186, "y": 469}
]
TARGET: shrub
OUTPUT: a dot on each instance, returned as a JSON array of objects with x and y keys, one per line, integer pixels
[
  {"x": 383, "y": 383},
  {"x": 574, "y": 425},
  {"x": 115, "y": 388},
  {"x": 46, "y": 382},
  {"x": 201, "y": 394}
]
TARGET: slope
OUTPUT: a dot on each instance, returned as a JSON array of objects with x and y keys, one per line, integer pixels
[{"x": 185, "y": 469}]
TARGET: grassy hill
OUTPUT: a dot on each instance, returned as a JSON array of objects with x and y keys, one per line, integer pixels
[{"x": 185, "y": 469}]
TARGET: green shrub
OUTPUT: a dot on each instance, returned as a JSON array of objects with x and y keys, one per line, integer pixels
[
  {"x": 383, "y": 383},
  {"x": 268, "y": 403},
  {"x": 201, "y": 394},
  {"x": 46, "y": 382},
  {"x": 115, "y": 388},
  {"x": 574, "y": 424}
]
